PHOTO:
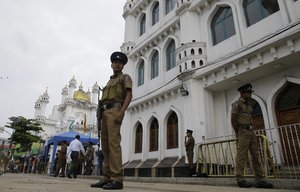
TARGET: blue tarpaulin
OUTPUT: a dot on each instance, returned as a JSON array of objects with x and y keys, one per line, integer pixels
[{"x": 68, "y": 136}]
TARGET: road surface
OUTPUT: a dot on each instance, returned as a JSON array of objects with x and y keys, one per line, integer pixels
[{"x": 19, "y": 182}]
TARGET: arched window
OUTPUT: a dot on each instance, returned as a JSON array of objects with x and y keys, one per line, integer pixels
[
  {"x": 154, "y": 135},
  {"x": 193, "y": 64},
  {"x": 170, "y": 5},
  {"x": 154, "y": 65},
  {"x": 143, "y": 25},
  {"x": 155, "y": 14},
  {"x": 139, "y": 139},
  {"x": 192, "y": 52},
  {"x": 170, "y": 56},
  {"x": 141, "y": 74},
  {"x": 200, "y": 51},
  {"x": 256, "y": 10},
  {"x": 172, "y": 131},
  {"x": 289, "y": 98},
  {"x": 222, "y": 25}
]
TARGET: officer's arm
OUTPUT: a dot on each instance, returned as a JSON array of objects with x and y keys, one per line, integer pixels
[
  {"x": 234, "y": 122},
  {"x": 127, "y": 100}
]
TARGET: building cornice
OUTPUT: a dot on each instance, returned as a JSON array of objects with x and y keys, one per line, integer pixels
[
  {"x": 154, "y": 99},
  {"x": 265, "y": 51}
]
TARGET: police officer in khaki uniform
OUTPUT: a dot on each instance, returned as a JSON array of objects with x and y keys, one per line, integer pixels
[
  {"x": 62, "y": 160},
  {"x": 89, "y": 157},
  {"x": 189, "y": 148},
  {"x": 241, "y": 121},
  {"x": 116, "y": 97}
]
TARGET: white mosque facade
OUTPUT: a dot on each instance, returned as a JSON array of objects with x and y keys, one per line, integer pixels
[
  {"x": 76, "y": 111},
  {"x": 188, "y": 57}
]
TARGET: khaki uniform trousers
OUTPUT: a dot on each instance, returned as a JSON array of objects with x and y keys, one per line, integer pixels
[
  {"x": 111, "y": 146},
  {"x": 247, "y": 141},
  {"x": 61, "y": 165},
  {"x": 190, "y": 157}
]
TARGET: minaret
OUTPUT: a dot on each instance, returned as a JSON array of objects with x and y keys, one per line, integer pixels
[
  {"x": 41, "y": 105},
  {"x": 80, "y": 86},
  {"x": 72, "y": 87},
  {"x": 64, "y": 94},
  {"x": 130, "y": 27},
  {"x": 88, "y": 92},
  {"x": 95, "y": 93}
]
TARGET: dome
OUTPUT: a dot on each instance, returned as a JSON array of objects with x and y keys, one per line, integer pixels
[{"x": 82, "y": 96}]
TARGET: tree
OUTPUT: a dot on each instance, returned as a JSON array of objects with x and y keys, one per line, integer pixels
[{"x": 25, "y": 132}]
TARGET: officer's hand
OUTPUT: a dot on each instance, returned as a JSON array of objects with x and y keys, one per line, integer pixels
[{"x": 119, "y": 117}]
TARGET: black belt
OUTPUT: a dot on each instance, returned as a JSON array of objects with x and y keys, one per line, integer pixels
[{"x": 110, "y": 105}]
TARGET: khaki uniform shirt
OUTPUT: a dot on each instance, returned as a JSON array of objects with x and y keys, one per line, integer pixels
[
  {"x": 244, "y": 110},
  {"x": 115, "y": 89},
  {"x": 190, "y": 143}
]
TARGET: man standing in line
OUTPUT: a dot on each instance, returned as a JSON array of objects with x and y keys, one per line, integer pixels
[
  {"x": 89, "y": 159},
  {"x": 241, "y": 121},
  {"x": 73, "y": 150},
  {"x": 55, "y": 162},
  {"x": 116, "y": 97},
  {"x": 189, "y": 147},
  {"x": 61, "y": 160}
]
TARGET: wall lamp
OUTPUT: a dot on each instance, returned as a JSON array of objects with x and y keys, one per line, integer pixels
[{"x": 183, "y": 90}]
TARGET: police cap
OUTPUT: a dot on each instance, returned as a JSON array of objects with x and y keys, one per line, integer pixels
[
  {"x": 189, "y": 131},
  {"x": 120, "y": 56},
  {"x": 245, "y": 88}
]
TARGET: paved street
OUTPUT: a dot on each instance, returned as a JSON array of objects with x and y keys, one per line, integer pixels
[{"x": 42, "y": 183}]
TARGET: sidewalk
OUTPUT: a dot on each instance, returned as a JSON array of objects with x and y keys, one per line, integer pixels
[{"x": 14, "y": 182}]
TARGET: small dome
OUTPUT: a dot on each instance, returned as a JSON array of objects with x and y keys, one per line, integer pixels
[{"x": 82, "y": 96}]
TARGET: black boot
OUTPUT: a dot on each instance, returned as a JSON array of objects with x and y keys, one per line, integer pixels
[
  {"x": 100, "y": 184},
  {"x": 113, "y": 185},
  {"x": 263, "y": 184},
  {"x": 244, "y": 184}
]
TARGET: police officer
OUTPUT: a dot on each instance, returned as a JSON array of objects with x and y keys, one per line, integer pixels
[
  {"x": 55, "y": 162},
  {"x": 61, "y": 164},
  {"x": 189, "y": 147},
  {"x": 116, "y": 97},
  {"x": 241, "y": 121},
  {"x": 89, "y": 157}
]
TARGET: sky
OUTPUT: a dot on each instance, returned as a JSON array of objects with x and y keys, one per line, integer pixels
[{"x": 44, "y": 43}]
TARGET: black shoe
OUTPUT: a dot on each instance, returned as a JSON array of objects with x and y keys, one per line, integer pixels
[
  {"x": 113, "y": 185},
  {"x": 69, "y": 176},
  {"x": 100, "y": 184},
  {"x": 263, "y": 184},
  {"x": 244, "y": 184},
  {"x": 61, "y": 176}
]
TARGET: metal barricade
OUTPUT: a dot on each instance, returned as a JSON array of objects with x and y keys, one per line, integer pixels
[{"x": 218, "y": 158}]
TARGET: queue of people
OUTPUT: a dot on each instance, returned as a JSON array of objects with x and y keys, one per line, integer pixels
[{"x": 74, "y": 160}]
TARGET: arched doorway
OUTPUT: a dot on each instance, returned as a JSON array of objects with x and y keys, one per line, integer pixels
[
  {"x": 258, "y": 119},
  {"x": 287, "y": 106}
]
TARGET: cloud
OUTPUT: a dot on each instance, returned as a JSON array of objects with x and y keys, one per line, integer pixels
[{"x": 44, "y": 43}]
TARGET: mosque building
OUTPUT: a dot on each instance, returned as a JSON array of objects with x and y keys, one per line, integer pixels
[
  {"x": 76, "y": 112},
  {"x": 188, "y": 57}
]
